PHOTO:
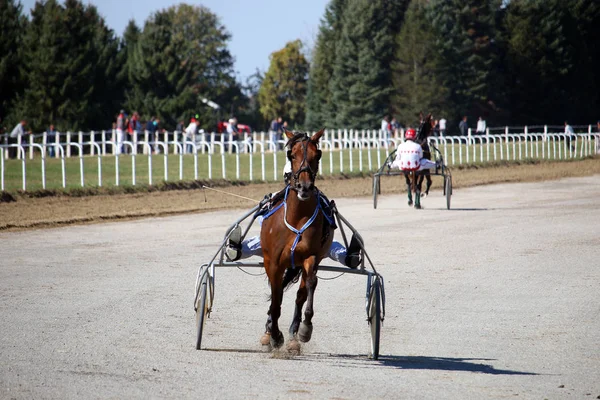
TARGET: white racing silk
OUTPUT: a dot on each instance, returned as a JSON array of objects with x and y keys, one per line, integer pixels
[{"x": 409, "y": 157}]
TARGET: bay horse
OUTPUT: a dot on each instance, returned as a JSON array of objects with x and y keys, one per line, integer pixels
[
  {"x": 294, "y": 239},
  {"x": 414, "y": 179}
]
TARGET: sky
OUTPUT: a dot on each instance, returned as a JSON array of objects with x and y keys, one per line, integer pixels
[{"x": 257, "y": 27}]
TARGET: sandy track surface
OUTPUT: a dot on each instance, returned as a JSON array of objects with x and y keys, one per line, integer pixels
[{"x": 497, "y": 298}]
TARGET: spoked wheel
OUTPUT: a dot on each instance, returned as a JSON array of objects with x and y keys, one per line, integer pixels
[
  {"x": 448, "y": 190},
  {"x": 375, "y": 318},
  {"x": 201, "y": 309},
  {"x": 376, "y": 190}
]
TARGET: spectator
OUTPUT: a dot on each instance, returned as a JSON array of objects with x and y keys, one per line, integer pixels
[
  {"x": 385, "y": 128},
  {"x": 157, "y": 132},
  {"x": 232, "y": 130},
  {"x": 275, "y": 131},
  {"x": 568, "y": 133},
  {"x": 463, "y": 127},
  {"x": 51, "y": 141},
  {"x": 480, "y": 126},
  {"x": 121, "y": 125},
  {"x": 19, "y": 130},
  {"x": 395, "y": 126},
  {"x": 179, "y": 127},
  {"x": 442, "y": 124},
  {"x": 436, "y": 128},
  {"x": 151, "y": 129},
  {"x": 190, "y": 134}
]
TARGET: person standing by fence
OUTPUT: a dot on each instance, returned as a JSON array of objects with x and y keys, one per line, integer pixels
[
  {"x": 385, "y": 128},
  {"x": 481, "y": 126},
  {"x": 18, "y": 131},
  {"x": 463, "y": 127},
  {"x": 569, "y": 133},
  {"x": 121, "y": 120},
  {"x": 190, "y": 135},
  {"x": 51, "y": 141},
  {"x": 442, "y": 123}
]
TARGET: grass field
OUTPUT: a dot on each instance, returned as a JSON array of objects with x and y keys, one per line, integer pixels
[
  {"x": 41, "y": 209},
  {"x": 243, "y": 167}
]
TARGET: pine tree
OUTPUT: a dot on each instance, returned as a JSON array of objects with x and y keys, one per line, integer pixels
[
  {"x": 107, "y": 95},
  {"x": 466, "y": 34},
  {"x": 415, "y": 69},
  {"x": 11, "y": 31},
  {"x": 539, "y": 60},
  {"x": 283, "y": 89},
  {"x": 361, "y": 83},
  {"x": 320, "y": 108}
]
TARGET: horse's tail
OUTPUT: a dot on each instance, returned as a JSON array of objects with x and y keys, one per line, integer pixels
[
  {"x": 413, "y": 181},
  {"x": 291, "y": 276}
]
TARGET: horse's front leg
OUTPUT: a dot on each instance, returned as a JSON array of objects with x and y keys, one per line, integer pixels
[
  {"x": 273, "y": 335},
  {"x": 301, "y": 296},
  {"x": 293, "y": 345},
  {"x": 310, "y": 268}
]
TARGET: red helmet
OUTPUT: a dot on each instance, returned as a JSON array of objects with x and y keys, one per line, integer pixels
[{"x": 410, "y": 134}]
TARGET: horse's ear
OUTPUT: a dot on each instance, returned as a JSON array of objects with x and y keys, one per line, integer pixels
[
  {"x": 289, "y": 134},
  {"x": 317, "y": 136}
]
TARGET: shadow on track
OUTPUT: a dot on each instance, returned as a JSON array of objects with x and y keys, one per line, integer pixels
[
  {"x": 418, "y": 363},
  {"x": 460, "y": 209}
]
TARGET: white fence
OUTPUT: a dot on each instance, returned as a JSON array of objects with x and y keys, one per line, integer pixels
[{"x": 343, "y": 150}]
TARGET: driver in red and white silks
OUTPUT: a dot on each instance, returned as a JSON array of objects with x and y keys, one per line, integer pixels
[{"x": 409, "y": 156}]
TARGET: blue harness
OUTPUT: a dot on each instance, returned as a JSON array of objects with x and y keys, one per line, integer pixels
[{"x": 308, "y": 223}]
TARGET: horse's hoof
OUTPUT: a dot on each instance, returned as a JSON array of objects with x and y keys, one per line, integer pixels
[
  {"x": 293, "y": 346},
  {"x": 417, "y": 207},
  {"x": 277, "y": 341},
  {"x": 305, "y": 332},
  {"x": 410, "y": 203},
  {"x": 265, "y": 340}
]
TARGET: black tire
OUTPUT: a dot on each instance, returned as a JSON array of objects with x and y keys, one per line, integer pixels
[
  {"x": 375, "y": 318},
  {"x": 376, "y": 190},
  {"x": 448, "y": 190},
  {"x": 201, "y": 311}
]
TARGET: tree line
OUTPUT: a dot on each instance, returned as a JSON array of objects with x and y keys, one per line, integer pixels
[
  {"x": 509, "y": 61},
  {"x": 64, "y": 66}
]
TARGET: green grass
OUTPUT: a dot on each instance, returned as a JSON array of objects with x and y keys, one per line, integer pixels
[{"x": 330, "y": 164}]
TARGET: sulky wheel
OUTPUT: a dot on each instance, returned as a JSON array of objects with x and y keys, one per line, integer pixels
[
  {"x": 448, "y": 190},
  {"x": 376, "y": 190},
  {"x": 201, "y": 309},
  {"x": 375, "y": 318}
]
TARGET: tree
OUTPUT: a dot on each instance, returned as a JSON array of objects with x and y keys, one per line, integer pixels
[
  {"x": 320, "y": 108},
  {"x": 283, "y": 90},
  {"x": 11, "y": 29},
  {"x": 539, "y": 60},
  {"x": 415, "y": 69},
  {"x": 466, "y": 38},
  {"x": 361, "y": 84},
  {"x": 181, "y": 58}
]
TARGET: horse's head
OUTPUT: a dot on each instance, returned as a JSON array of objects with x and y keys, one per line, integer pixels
[
  {"x": 304, "y": 154},
  {"x": 425, "y": 128}
]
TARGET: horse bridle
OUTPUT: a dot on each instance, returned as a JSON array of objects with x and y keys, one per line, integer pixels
[{"x": 304, "y": 166}]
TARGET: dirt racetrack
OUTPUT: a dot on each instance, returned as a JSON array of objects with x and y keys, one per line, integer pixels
[{"x": 497, "y": 298}]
